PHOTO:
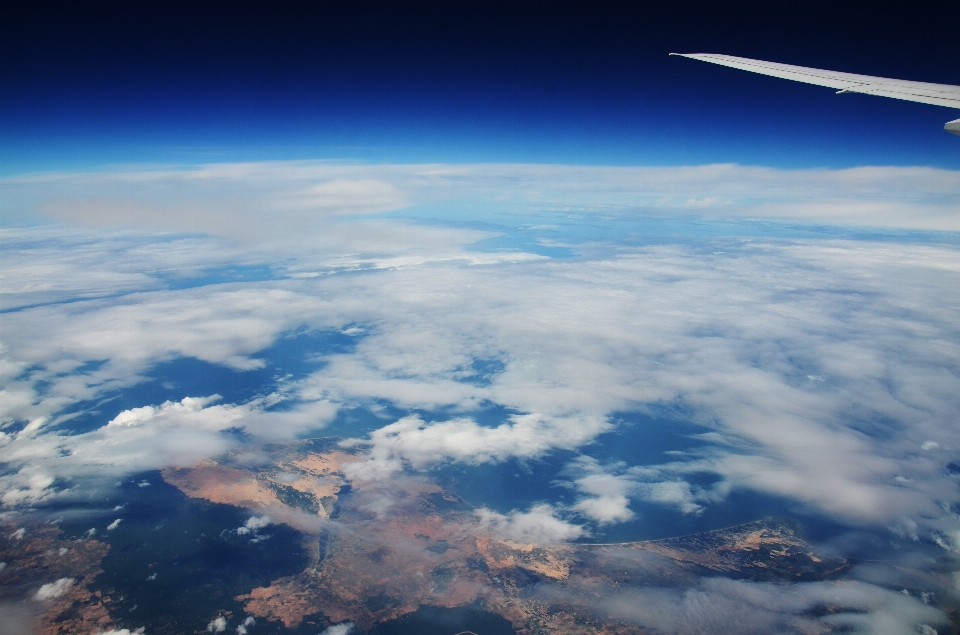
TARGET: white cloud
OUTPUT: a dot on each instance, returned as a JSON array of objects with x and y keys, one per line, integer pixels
[
  {"x": 606, "y": 509},
  {"x": 607, "y": 489},
  {"x": 53, "y": 265},
  {"x": 607, "y": 493},
  {"x": 254, "y": 524},
  {"x": 338, "y": 629},
  {"x": 540, "y": 525},
  {"x": 149, "y": 437},
  {"x": 223, "y": 327},
  {"x": 54, "y": 590},
  {"x": 586, "y": 338},
  {"x": 578, "y": 340},
  {"x": 720, "y": 605},
  {"x": 284, "y": 201},
  {"x": 676, "y": 493},
  {"x": 731, "y": 336},
  {"x": 412, "y": 441},
  {"x": 268, "y": 210},
  {"x": 218, "y": 625},
  {"x": 823, "y": 371},
  {"x": 599, "y": 336},
  {"x": 114, "y": 524},
  {"x": 184, "y": 408}
]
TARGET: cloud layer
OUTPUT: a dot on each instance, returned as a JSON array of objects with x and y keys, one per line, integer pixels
[
  {"x": 716, "y": 606},
  {"x": 825, "y": 371},
  {"x": 816, "y": 364},
  {"x": 287, "y": 203}
]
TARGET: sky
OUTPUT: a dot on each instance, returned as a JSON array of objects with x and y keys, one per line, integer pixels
[
  {"x": 97, "y": 83},
  {"x": 514, "y": 237}
]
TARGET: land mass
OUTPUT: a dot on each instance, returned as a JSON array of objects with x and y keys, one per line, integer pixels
[
  {"x": 44, "y": 581},
  {"x": 387, "y": 548}
]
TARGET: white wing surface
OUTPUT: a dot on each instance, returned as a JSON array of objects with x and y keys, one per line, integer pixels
[{"x": 925, "y": 93}]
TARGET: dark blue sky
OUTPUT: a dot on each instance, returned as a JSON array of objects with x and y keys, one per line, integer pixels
[{"x": 91, "y": 83}]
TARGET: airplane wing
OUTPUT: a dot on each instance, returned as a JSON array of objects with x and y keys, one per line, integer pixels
[{"x": 935, "y": 94}]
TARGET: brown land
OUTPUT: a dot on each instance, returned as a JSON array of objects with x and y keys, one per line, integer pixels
[
  {"x": 299, "y": 490},
  {"x": 222, "y": 484},
  {"x": 394, "y": 547},
  {"x": 43, "y": 556}
]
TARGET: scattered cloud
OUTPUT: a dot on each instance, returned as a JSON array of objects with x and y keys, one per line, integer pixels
[
  {"x": 338, "y": 629},
  {"x": 253, "y": 525},
  {"x": 607, "y": 494},
  {"x": 606, "y": 490},
  {"x": 679, "y": 494},
  {"x": 577, "y": 340},
  {"x": 54, "y": 590},
  {"x": 218, "y": 625},
  {"x": 411, "y": 441},
  {"x": 114, "y": 524},
  {"x": 823, "y": 371},
  {"x": 539, "y": 525},
  {"x": 721, "y": 605},
  {"x": 148, "y": 437}
]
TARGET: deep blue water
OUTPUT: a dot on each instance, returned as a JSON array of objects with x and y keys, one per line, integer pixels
[
  {"x": 177, "y": 563},
  {"x": 435, "y": 620},
  {"x": 293, "y": 355},
  {"x": 638, "y": 440}
]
